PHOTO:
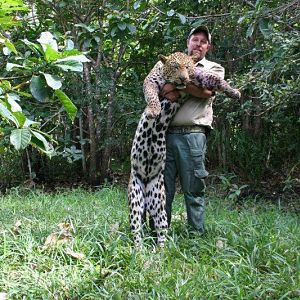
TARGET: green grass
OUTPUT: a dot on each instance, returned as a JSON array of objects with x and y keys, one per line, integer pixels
[{"x": 250, "y": 253}]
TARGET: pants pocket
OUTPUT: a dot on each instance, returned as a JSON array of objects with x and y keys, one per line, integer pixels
[{"x": 197, "y": 183}]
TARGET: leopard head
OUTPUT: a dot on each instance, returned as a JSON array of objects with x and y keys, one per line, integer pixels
[{"x": 178, "y": 68}]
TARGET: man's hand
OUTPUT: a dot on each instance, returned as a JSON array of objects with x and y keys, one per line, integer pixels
[
  {"x": 170, "y": 92},
  {"x": 198, "y": 92}
]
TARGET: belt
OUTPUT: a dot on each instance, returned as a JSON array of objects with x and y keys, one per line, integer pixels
[{"x": 187, "y": 129}]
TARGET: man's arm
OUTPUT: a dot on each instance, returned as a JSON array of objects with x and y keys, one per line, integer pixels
[
  {"x": 170, "y": 92},
  {"x": 198, "y": 92}
]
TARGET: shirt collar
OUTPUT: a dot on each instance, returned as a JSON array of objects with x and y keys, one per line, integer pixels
[{"x": 201, "y": 62}]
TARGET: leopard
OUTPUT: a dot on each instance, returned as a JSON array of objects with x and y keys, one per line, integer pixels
[{"x": 146, "y": 190}]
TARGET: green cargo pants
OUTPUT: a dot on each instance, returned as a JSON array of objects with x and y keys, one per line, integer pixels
[{"x": 185, "y": 158}]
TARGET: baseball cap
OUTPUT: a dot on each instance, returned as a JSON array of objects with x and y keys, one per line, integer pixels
[{"x": 201, "y": 28}]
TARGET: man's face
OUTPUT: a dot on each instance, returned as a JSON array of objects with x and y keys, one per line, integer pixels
[{"x": 198, "y": 45}]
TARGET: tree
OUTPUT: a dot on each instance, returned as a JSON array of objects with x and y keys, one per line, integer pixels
[
  {"x": 33, "y": 72},
  {"x": 256, "y": 41}
]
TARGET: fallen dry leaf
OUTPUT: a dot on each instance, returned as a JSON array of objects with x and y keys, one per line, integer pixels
[
  {"x": 220, "y": 244},
  {"x": 76, "y": 255},
  {"x": 147, "y": 264},
  {"x": 114, "y": 228},
  {"x": 64, "y": 236},
  {"x": 105, "y": 272},
  {"x": 54, "y": 239},
  {"x": 16, "y": 228},
  {"x": 33, "y": 266},
  {"x": 66, "y": 227}
]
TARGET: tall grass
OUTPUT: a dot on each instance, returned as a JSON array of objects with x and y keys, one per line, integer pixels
[{"x": 250, "y": 253}]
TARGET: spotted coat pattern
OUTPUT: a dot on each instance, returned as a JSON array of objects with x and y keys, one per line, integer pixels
[{"x": 146, "y": 191}]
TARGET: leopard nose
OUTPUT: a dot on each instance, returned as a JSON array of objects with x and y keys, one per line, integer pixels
[{"x": 183, "y": 78}]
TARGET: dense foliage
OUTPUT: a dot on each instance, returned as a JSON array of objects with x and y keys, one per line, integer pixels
[{"x": 256, "y": 41}]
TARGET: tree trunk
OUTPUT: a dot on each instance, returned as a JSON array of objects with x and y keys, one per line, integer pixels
[
  {"x": 245, "y": 119},
  {"x": 91, "y": 126},
  {"x": 220, "y": 145},
  {"x": 98, "y": 115},
  {"x": 82, "y": 145},
  {"x": 106, "y": 157},
  {"x": 257, "y": 120},
  {"x": 223, "y": 147},
  {"x": 93, "y": 147}
]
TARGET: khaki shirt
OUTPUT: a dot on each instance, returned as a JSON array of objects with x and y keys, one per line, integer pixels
[{"x": 198, "y": 111}]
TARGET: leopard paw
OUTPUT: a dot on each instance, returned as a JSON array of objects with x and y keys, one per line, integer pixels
[
  {"x": 236, "y": 94},
  {"x": 233, "y": 93},
  {"x": 152, "y": 113}
]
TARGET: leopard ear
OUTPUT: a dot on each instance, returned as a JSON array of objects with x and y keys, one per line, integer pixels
[{"x": 162, "y": 58}]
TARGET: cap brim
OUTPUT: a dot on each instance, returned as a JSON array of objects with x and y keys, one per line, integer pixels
[{"x": 201, "y": 28}]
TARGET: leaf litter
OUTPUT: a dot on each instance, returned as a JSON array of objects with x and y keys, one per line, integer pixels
[{"x": 63, "y": 237}]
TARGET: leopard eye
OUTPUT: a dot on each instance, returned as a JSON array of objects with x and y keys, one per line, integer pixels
[{"x": 175, "y": 65}]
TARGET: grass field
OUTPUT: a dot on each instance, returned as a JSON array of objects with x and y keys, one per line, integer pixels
[{"x": 248, "y": 253}]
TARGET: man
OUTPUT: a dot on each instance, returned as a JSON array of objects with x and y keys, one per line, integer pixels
[{"x": 186, "y": 137}]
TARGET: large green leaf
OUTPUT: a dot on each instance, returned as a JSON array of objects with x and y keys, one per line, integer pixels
[
  {"x": 70, "y": 52},
  {"x": 80, "y": 58},
  {"x": 47, "y": 39},
  {"x": 37, "y": 49},
  {"x": 4, "y": 111},
  {"x": 7, "y": 21},
  {"x": 250, "y": 30},
  {"x": 74, "y": 66},
  {"x": 20, "y": 138},
  {"x": 10, "y": 66},
  {"x": 69, "y": 44},
  {"x": 122, "y": 26},
  {"x": 68, "y": 105},
  {"x": 39, "y": 88},
  {"x": 8, "y": 44},
  {"x": 40, "y": 137},
  {"x": 53, "y": 81},
  {"x": 5, "y": 85},
  {"x": 39, "y": 141},
  {"x": 29, "y": 122},
  {"x": 88, "y": 28},
  {"x": 182, "y": 18},
  {"x": 71, "y": 62},
  {"x": 20, "y": 117},
  {"x": 137, "y": 4},
  {"x": 264, "y": 27},
  {"x": 12, "y": 100},
  {"x": 51, "y": 54},
  {"x": 132, "y": 28},
  {"x": 12, "y": 5},
  {"x": 170, "y": 13}
]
